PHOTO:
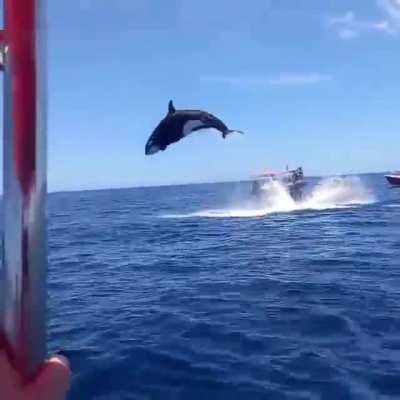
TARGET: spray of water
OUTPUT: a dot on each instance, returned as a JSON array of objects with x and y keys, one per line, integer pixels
[{"x": 329, "y": 193}]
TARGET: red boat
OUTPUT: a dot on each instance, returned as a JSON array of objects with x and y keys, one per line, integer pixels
[{"x": 393, "y": 179}]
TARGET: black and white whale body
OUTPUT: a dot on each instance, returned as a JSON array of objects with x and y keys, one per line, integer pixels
[{"x": 179, "y": 123}]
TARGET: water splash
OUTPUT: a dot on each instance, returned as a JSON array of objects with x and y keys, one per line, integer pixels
[
  {"x": 329, "y": 193},
  {"x": 339, "y": 192}
]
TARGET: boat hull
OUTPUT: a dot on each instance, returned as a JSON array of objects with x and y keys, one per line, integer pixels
[{"x": 393, "y": 179}]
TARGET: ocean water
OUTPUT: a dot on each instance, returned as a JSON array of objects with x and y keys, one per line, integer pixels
[{"x": 200, "y": 292}]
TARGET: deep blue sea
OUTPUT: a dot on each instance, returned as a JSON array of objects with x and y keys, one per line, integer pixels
[{"x": 201, "y": 292}]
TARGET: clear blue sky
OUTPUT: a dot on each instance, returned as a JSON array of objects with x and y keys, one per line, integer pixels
[{"x": 311, "y": 82}]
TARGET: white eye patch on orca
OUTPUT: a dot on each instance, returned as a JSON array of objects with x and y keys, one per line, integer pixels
[
  {"x": 152, "y": 148},
  {"x": 190, "y": 125}
]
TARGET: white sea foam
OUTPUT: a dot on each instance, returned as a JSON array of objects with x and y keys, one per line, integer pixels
[{"x": 329, "y": 193}]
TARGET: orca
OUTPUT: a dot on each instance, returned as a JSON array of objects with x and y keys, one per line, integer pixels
[{"x": 178, "y": 124}]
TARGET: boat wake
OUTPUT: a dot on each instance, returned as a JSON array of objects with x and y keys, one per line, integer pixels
[{"x": 329, "y": 193}]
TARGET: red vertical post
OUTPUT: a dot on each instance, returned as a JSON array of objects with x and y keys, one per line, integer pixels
[{"x": 24, "y": 267}]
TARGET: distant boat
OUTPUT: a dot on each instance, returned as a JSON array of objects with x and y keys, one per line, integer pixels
[{"x": 394, "y": 178}]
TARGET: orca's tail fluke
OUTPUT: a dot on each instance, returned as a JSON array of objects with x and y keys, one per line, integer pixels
[{"x": 229, "y": 131}]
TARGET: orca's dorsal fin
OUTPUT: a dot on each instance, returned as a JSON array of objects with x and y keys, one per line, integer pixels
[{"x": 171, "y": 108}]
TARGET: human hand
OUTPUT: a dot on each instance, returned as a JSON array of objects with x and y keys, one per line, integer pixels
[{"x": 51, "y": 383}]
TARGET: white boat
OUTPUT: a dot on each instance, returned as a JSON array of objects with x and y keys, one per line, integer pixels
[{"x": 293, "y": 180}]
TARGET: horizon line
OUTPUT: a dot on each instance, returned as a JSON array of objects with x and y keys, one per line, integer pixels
[{"x": 198, "y": 183}]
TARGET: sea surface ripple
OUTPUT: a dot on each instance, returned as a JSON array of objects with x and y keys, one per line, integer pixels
[{"x": 195, "y": 292}]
